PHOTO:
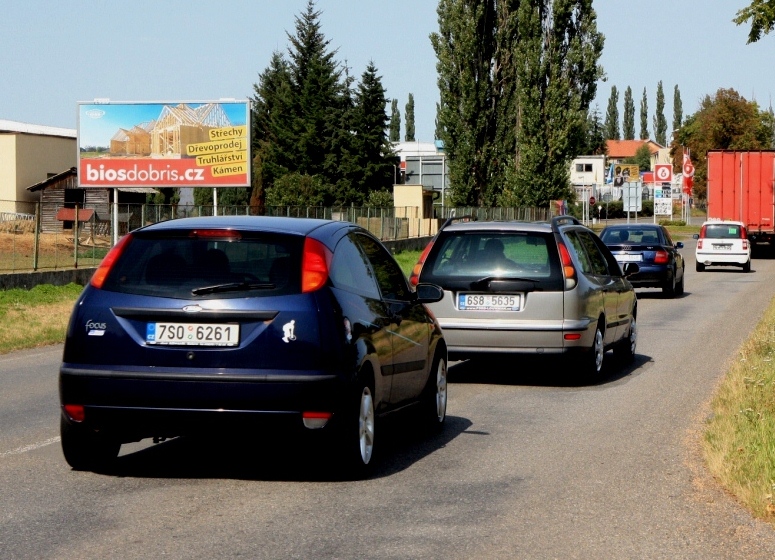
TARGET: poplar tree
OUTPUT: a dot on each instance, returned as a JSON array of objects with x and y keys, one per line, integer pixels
[
  {"x": 409, "y": 113},
  {"x": 395, "y": 122},
  {"x": 612, "y": 116},
  {"x": 644, "y": 117},
  {"x": 628, "y": 123},
  {"x": 465, "y": 49},
  {"x": 660, "y": 123},
  {"x": 678, "y": 110},
  {"x": 516, "y": 81}
]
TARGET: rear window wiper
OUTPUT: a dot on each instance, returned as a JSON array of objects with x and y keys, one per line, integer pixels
[
  {"x": 233, "y": 287},
  {"x": 487, "y": 279}
]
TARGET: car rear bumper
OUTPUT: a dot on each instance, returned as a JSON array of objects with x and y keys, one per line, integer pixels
[
  {"x": 710, "y": 259},
  {"x": 132, "y": 406},
  {"x": 466, "y": 338}
]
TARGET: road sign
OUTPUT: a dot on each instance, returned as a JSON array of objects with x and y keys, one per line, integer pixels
[
  {"x": 663, "y": 172},
  {"x": 591, "y": 200}
]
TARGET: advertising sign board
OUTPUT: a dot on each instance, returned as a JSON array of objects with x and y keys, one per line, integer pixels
[
  {"x": 625, "y": 173},
  {"x": 177, "y": 144}
]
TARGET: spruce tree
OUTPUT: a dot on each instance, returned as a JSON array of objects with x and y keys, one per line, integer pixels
[
  {"x": 660, "y": 123},
  {"x": 370, "y": 141},
  {"x": 395, "y": 122},
  {"x": 612, "y": 116},
  {"x": 628, "y": 123},
  {"x": 678, "y": 110},
  {"x": 644, "y": 117},
  {"x": 409, "y": 115}
]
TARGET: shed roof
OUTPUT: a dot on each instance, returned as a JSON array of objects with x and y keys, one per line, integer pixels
[{"x": 26, "y": 128}]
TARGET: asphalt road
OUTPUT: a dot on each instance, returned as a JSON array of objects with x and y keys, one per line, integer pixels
[{"x": 532, "y": 464}]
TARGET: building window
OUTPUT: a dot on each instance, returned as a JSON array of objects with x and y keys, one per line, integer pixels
[{"x": 583, "y": 168}]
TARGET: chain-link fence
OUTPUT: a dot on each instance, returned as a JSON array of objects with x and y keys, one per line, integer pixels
[{"x": 35, "y": 236}]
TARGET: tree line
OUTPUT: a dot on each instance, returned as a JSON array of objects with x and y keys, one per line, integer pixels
[{"x": 516, "y": 80}]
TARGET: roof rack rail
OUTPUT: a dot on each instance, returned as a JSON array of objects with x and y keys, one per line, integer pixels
[
  {"x": 467, "y": 218},
  {"x": 563, "y": 220}
]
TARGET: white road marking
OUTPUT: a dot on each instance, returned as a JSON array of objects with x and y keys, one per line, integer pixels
[{"x": 31, "y": 447}]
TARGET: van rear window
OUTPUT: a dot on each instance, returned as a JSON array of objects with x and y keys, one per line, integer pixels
[{"x": 723, "y": 231}]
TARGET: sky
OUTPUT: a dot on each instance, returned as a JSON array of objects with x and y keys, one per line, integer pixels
[{"x": 56, "y": 54}]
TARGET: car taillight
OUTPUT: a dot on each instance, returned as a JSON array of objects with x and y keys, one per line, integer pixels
[
  {"x": 216, "y": 234},
  {"x": 661, "y": 257},
  {"x": 568, "y": 270},
  {"x": 75, "y": 412},
  {"x": 699, "y": 243},
  {"x": 314, "y": 265},
  {"x": 745, "y": 244},
  {"x": 414, "y": 278},
  {"x": 315, "y": 420},
  {"x": 99, "y": 276}
]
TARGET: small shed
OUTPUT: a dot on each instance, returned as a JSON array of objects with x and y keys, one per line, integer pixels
[{"x": 60, "y": 195}]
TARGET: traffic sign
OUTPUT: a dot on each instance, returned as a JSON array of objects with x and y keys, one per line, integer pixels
[
  {"x": 663, "y": 172},
  {"x": 591, "y": 200}
]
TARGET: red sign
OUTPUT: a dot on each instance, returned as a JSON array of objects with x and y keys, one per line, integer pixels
[
  {"x": 663, "y": 173},
  {"x": 591, "y": 200}
]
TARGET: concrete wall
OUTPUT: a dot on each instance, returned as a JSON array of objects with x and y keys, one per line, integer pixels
[{"x": 28, "y": 280}]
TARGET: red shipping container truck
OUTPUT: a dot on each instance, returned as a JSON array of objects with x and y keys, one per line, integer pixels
[{"x": 740, "y": 187}]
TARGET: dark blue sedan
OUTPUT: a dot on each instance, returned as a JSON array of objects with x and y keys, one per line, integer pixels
[
  {"x": 247, "y": 323},
  {"x": 649, "y": 245}
]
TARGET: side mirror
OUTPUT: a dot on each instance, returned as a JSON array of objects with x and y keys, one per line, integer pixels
[
  {"x": 696, "y": 236},
  {"x": 679, "y": 245},
  {"x": 429, "y": 293},
  {"x": 630, "y": 268}
]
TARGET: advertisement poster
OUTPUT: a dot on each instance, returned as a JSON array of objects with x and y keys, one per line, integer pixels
[{"x": 179, "y": 144}]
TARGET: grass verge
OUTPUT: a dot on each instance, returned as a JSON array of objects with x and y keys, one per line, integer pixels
[
  {"x": 36, "y": 317},
  {"x": 739, "y": 439}
]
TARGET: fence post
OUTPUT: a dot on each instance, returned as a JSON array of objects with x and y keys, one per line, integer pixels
[
  {"x": 75, "y": 238},
  {"x": 36, "y": 240}
]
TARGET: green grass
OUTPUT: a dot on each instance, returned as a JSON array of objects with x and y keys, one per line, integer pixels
[{"x": 406, "y": 260}]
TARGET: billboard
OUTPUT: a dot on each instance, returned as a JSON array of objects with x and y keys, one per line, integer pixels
[
  {"x": 176, "y": 144},
  {"x": 625, "y": 173}
]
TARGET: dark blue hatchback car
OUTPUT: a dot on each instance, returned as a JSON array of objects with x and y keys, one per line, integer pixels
[{"x": 232, "y": 323}]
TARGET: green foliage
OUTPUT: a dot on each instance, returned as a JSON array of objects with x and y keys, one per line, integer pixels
[
  {"x": 660, "y": 123},
  {"x": 642, "y": 158},
  {"x": 516, "y": 81},
  {"x": 644, "y": 116},
  {"x": 678, "y": 110},
  {"x": 761, "y": 14},
  {"x": 410, "y": 119},
  {"x": 726, "y": 121},
  {"x": 628, "y": 124},
  {"x": 395, "y": 122},
  {"x": 612, "y": 116},
  {"x": 595, "y": 143},
  {"x": 295, "y": 189},
  {"x": 309, "y": 121},
  {"x": 380, "y": 199}
]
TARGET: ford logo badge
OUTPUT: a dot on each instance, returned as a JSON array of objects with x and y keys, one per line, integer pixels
[{"x": 192, "y": 309}]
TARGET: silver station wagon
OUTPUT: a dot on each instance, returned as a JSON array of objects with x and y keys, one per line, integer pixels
[{"x": 530, "y": 288}]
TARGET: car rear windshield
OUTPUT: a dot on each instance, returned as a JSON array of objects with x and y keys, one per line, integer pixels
[
  {"x": 184, "y": 264},
  {"x": 723, "y": 231},
  {"x": 460, "y": 258},
  {"x": 630, "y": 236}
]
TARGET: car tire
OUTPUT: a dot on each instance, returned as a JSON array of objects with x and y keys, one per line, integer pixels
[
  {"x": 625, "y": 348},
  {"x": 679, "y": 288},
  {"x": 594, "y": 356},
  {"x": 699, "y": 267},
  {"x": 747, "y": 266},
  {"x": 434, "y": 397},
  {"x": 669, "y": 287},
  {"x": 357, "y": 430},
  {"x": 85, "y": 450}
]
